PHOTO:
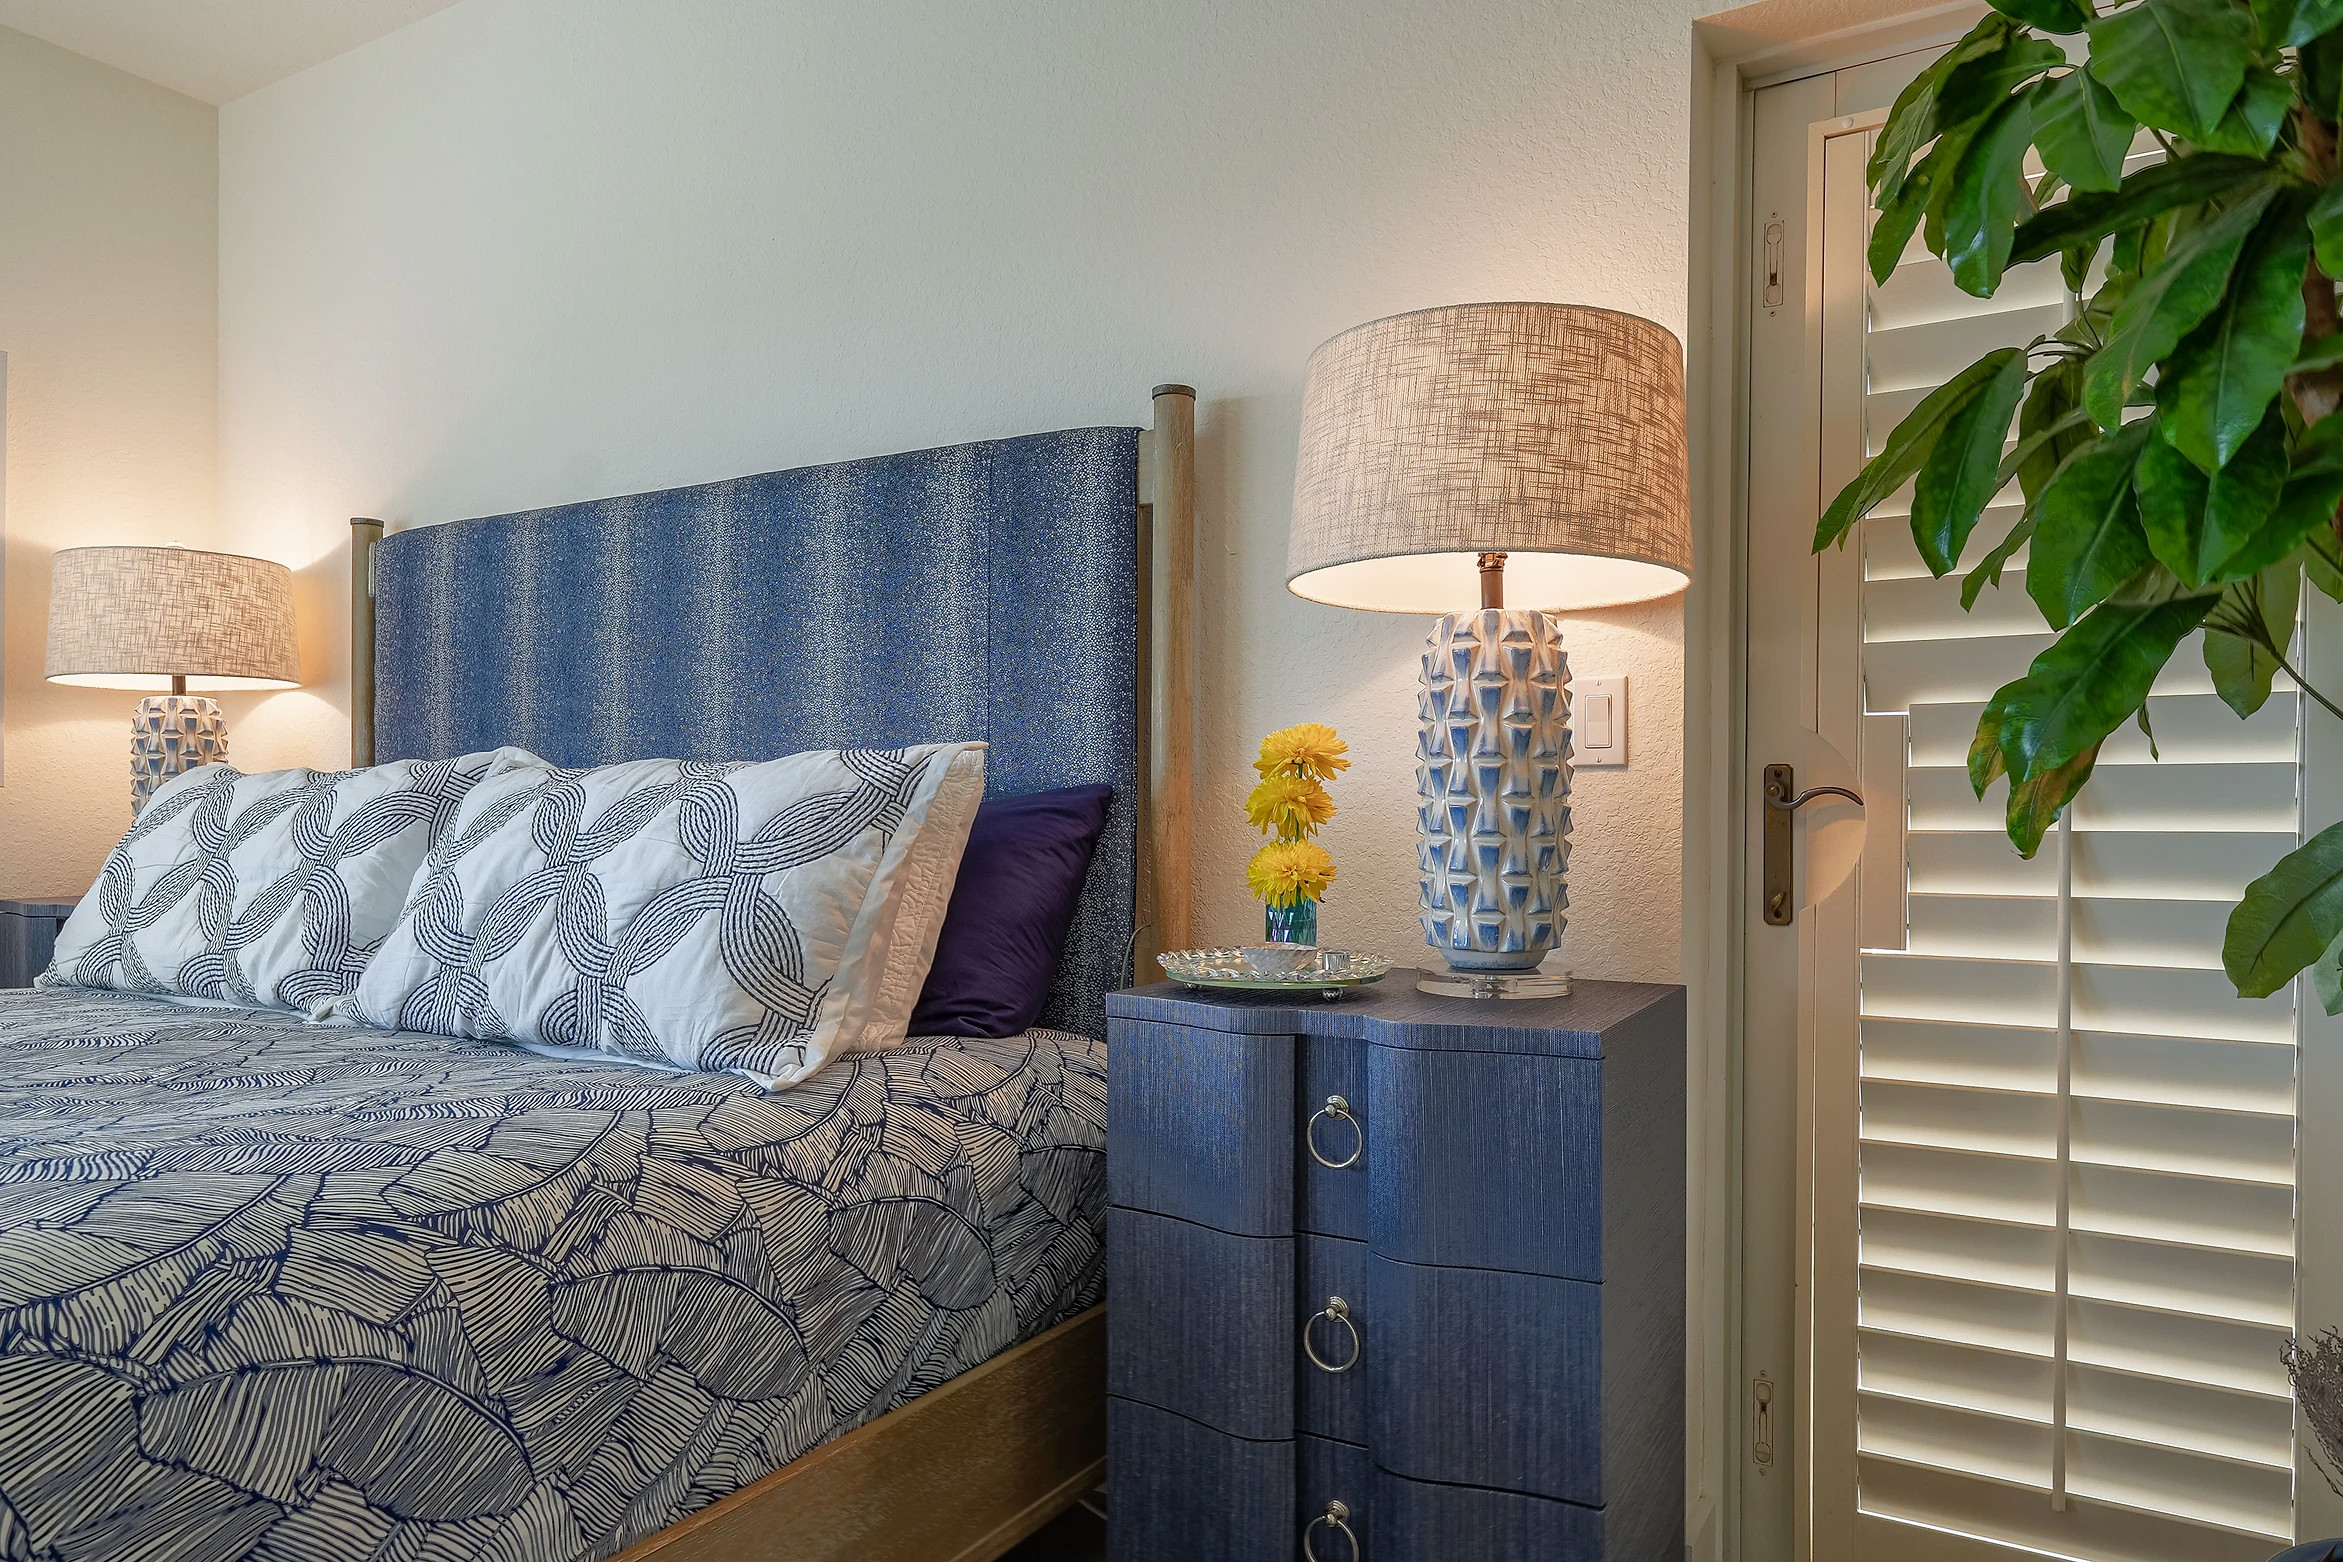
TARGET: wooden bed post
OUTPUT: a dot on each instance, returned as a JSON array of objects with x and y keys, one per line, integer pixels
[
  {"x": 1167, "y": 651},
  {"x": 364, "y": 534}
]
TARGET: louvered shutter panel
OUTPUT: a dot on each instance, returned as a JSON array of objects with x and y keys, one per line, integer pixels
[{"x": 2160, "y": 1407}]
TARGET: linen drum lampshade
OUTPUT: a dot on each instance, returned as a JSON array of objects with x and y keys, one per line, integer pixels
[
  {"x": 175, "y": 619},
  {"x": 1460, "y": 454}
]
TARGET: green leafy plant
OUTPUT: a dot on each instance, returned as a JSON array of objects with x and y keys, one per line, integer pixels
[{"x": 2176, "y": 443}]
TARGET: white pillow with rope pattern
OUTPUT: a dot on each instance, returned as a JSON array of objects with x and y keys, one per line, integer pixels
[
  {"x": 270, "y": 890},
  {"x": 734, "y": 918}
]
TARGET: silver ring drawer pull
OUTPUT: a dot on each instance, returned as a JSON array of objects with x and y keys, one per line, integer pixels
[
  {"x": 1336, "y": 1311},
  {"x": 1339, "y": 1110},
  {"x": 1336, "y": 1517}
]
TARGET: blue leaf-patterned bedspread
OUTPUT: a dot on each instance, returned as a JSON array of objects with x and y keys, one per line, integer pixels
[{"x": 293, "y": 1292}]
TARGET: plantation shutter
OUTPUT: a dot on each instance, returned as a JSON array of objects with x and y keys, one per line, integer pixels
[{"x": 2076, "y": 1243}]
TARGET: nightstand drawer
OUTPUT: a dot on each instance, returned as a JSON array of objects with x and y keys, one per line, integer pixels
[
  {"x": 1331, "y": 1402},
  {"x": 1390, "y": 1516},
  {"x": 1180, "y": 1489},
  {"x": 1328, "y": 1472},
  {"x": 1203, "y": 1322},
  {"x": 1420, "y": 1519},
  {"x": 1486, "y": 1378},
  {"x": 1201, "y": 1127},
  {"x": 1333, "y": 1196},
  {"x": 1442, "y": 1191}
]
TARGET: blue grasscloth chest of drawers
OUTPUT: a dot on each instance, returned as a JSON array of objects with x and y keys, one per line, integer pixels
[{"x": 1396, "y": 1278}]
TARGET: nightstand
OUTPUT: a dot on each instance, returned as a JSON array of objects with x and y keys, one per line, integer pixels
[
  {"x": 28, "y": 935},
  {"x": 1396, "y": 1276}
]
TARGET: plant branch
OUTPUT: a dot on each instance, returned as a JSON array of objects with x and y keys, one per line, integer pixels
[
  {"x": 2250, "y": 627},
  {"x": 2304, "y": 684}
]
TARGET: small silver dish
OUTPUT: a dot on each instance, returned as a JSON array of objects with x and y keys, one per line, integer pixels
[
  {"x": 1330, "y": 974},
  {"x": 1283, "y": 959}
]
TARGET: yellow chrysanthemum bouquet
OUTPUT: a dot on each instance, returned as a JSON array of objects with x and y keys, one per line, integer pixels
[{"x": 1289, "y": 875}]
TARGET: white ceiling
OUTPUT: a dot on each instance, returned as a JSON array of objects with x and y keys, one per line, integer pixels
[{"x": 212, "y": 49}]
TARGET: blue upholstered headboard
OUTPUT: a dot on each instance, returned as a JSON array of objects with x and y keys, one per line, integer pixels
[{"x": 981, "y": 591}]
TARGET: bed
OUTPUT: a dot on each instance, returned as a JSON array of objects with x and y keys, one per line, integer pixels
[{"x": 276, "y": 1290}]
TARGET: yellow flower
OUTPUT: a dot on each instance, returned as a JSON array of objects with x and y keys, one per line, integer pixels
[
  {"x": 1288, "y": 807},
  {"x": 1286, "y": 873},
  {"x": 1310, "y": 750}
]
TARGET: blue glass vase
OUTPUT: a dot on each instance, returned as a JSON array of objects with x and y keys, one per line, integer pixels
[{"x": 1294, "y": 924}]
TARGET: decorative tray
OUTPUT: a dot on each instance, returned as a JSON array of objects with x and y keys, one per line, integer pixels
[{"x": 1327, "y": 972}]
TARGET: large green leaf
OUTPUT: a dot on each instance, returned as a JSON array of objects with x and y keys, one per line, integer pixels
[
  {"x": 2254, "y": 116},
  {"x": 1909, "y": 444},
  {"x": 2287, "y": 917},
  {"x": 1985, "y": 748},
  {"x": 2171, "y": 493},
  {"x": 2326, "y": 228},
  {"x": 2174, "y": 64},
  {"x": 1963, "y": 469},
  {"x": 1925, "y": 189},
  {"x": 2154, "y": 190},
  {"x": 2195, "y": 524},
  {"x": 2036, "y": 802},
  {"x": 2240, "y": 498},
  {"x": 1977, "y": 87},
  {"x": 1912, "y": 123},
  {"x": 2241, "y": 664},
  {"x": 2306, "y": 505},
  {"x": 2058, "y": 16},
  {"x": 2326, "y": 976},
  {"x": 2091, "y": 679},
  {"x": 2082, "y": 131},
  {"x": 2321, "y": 63},
  {"x": 2052, "y": 427},
  {"x": 2318, "y": 450},
  {"x": 2074, "y": 265},
  {"x": 2322, "y": 561},
  {"x": 1987, "y": 195},
  {"x": 2221, "y": 378},
  {"x": 2286, "y": 23},
  {"x": 2087, "y": 538},
  {"x": 1989, "y": 568},
  {"x": 2168, "y": 303}
]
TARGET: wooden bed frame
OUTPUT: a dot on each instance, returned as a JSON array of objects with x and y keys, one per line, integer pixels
[{"x": 968, "y": 1469}]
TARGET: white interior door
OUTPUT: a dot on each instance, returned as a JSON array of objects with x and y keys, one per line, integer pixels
[{"x": 2019, "y": 1170}]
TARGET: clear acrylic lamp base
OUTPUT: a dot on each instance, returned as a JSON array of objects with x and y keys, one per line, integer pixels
[{"x": 1454, "y": 983}]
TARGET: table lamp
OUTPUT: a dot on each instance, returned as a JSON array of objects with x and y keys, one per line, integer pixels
[
  {"x": 175, "y": 619},
  {"x": 1477, "y": 453}
]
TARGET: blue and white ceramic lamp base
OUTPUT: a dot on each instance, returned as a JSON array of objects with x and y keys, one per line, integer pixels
[
  {"x": 1493, "y": 800},
  {"x": 169, "y": 734}
]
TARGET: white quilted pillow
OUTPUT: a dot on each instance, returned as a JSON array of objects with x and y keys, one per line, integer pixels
[
  {"x": 269, "y": 890},
  {"x": 732, "y": 918}
]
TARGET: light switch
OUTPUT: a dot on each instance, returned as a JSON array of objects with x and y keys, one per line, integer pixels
[{"x": 1598, "y": 722}]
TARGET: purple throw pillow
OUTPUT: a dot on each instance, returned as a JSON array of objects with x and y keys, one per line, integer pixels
[{"x": 1011, "y": 906}]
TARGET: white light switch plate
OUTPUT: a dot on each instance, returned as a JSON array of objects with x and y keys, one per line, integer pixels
[{"x": 1598, "y": 722}]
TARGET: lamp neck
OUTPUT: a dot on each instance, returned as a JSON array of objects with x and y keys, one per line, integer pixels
[
  {"x": 1492, "y": 580},
  {"x": 179, "y": 681}
]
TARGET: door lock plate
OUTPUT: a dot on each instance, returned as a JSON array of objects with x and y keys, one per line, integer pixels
[{"x": 1780, "y": 784}]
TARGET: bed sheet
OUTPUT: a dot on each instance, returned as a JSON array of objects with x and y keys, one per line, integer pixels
[{"x": 297, "y": 1292}]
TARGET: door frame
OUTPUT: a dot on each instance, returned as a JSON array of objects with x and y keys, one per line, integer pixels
[{"x": 1734, "y": 55}]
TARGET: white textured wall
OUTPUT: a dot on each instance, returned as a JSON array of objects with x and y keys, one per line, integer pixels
[
  {"x": 530, "y": 251},
  {"x": 108, "y": 291}
]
